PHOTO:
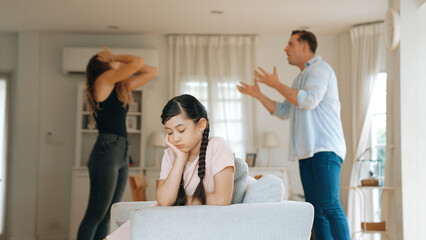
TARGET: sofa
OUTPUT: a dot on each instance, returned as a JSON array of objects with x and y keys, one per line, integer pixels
[{"x": 257, "y": 212}]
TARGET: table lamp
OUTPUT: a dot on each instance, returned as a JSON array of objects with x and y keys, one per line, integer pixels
[
  {"x": 156, "y": 140},
  {"x": 270, "y": 140}
]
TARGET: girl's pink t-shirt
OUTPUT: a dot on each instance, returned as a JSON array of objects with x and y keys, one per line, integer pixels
[{"x": 218, "y": 157}]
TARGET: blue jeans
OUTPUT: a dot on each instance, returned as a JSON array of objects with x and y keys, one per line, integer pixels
[
  {"x": 320, "y": 179},
  {"x": 108, "y": 170}
]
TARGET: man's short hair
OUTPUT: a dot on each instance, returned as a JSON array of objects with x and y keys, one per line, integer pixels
[{"x": 307, "y": 37}]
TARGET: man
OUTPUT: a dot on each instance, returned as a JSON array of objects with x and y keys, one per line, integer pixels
[{"x": 316, "y": 140}]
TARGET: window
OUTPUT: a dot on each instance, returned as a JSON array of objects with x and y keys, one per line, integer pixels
[
  {"x": 378, "y": 137},
  {"x": 378, "y": 124},
  {"x": 225, "y": 110}
]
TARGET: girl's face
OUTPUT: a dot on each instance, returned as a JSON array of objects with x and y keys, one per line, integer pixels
[{"x": 184, "y": 133}]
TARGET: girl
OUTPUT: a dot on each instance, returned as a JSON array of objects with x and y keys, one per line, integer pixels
[
  {"x": 110, "y": 80},
  {"x": 190, "y": 149},
  {"x": 195, "y": 169}
]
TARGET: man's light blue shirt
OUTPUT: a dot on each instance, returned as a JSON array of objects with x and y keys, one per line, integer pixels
[{"x": 315, "y": 124}]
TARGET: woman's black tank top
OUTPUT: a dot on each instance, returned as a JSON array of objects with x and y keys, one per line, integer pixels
[{"x": 112, "y": 116}]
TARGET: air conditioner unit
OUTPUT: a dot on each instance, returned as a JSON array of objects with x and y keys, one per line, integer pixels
[{"x": 75, "y": 59}]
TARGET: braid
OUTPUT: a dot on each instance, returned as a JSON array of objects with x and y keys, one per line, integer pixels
[
  {"x": 200, "y": 192},
  {"x": 181, "y": 197}
]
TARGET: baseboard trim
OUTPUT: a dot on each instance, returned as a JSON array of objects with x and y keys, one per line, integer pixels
[
  {"x": 40, "y": 238},
  {"x": 22, "y": 238},
  {"x": 52, "y": 238}
]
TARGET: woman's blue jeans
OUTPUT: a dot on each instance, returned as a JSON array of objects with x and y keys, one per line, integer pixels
[
  {"x": 108, "y": 170},
  {"x": 320, "y": 177}
]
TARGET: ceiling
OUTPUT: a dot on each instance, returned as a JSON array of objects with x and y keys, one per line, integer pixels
[{"x": 187, "y": 16}]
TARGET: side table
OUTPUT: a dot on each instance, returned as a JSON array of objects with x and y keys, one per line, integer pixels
[{"x": 360, "y": 191}]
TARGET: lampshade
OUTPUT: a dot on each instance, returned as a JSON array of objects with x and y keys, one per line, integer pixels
[
  {"x": 156, "y": 139},
  {"x": 270, "y": 140}
]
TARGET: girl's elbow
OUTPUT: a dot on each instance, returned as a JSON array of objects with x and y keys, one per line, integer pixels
[
  {"x": 223, "y": 202},
  {"x": 164, "y": 203},
  {"x": 161, "y": 204}
]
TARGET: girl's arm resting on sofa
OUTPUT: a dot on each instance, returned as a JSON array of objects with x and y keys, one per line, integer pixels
[
  {"x": 167, "y": 189},
  {"x": 223, "y": 186}
]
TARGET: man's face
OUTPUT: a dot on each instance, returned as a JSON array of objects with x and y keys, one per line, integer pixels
[{"x": 294, "y": 50}]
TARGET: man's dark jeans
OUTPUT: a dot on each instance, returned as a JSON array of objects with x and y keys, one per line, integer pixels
[{"x": 320, "y": 177}]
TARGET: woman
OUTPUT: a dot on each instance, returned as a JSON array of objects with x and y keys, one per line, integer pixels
[
  {"x": 110, "y": 80},
  {"x": 196, "y": 169}
]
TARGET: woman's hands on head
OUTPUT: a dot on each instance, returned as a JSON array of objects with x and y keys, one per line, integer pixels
[
  {"x": 106, "y": 55},
  {"x": 180, "y": 156}
]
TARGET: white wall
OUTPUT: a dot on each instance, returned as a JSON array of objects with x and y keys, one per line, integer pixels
[
  {"x": 8, "y": 56},
  {"x": 413, "y": 132},
  {"x": 345, "y": 93},
  {"x": 8, "y": 52},
  {"x": 333, "y": 49},
  {"x": 24, "y": 162},
  {"x": 408, "y": 73},
  {"x": 45, "y": 101}
]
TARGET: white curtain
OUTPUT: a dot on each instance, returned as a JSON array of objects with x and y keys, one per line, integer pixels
[
  {"x": 368, "y": 54},
  {"x": 209, "y": 67}
]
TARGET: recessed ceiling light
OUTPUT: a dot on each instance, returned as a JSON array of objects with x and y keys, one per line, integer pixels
[
  {"x": 112, "y": 27},
  {"x": 216, "y": 12}
]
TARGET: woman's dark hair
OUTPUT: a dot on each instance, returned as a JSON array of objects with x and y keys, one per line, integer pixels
[
  {"x": 307, "y": 37},
  {"x": 193, "y": 110},
  {"x": 94, "y": 69}
]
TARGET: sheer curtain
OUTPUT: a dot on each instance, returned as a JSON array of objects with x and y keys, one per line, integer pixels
[
  {"x": 368, "y": 54},
  {"x": 209, "y": 67}
]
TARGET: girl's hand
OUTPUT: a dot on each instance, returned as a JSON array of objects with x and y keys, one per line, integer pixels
[
  {"x": 106, "y": 55},
  {"x": 182, "y": 156}
]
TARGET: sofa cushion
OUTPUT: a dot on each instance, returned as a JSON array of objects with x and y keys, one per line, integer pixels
[
  {"x": 240, "y": 181},
  {"x": 267, "y": 189}
]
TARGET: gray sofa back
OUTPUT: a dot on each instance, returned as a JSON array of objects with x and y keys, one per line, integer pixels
[{"x": 281, "y": 220}]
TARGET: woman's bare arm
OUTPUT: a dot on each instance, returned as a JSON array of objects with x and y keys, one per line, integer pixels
[{"x": 145, "y": 74}]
